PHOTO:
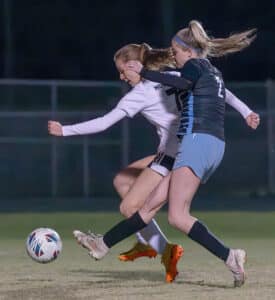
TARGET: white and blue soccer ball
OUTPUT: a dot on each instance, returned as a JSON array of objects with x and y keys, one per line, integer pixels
[{"x": 43, "y": 245}]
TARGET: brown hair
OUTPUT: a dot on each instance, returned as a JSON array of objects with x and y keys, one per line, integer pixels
[
  {"x": 152, "y": 59},
  {"x": 195, "y": 37}
]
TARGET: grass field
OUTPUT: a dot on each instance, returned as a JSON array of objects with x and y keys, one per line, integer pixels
[{"x": 76, "y": 276}]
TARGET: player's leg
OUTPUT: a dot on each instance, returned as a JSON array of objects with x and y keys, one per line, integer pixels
[
  {"x": 140, "y": 190},
  {"x": 123, "y": 183},
  {"x": 197, "y": 159},
  {"x": 124, "y": 180},
  {"x": 156, "y": 199},
  {"x": 151, "y": 239},
  {"x": 137, "y": 188},
  {"x": 183, "y": 186},
  {"x": 172, "y": 252},
  {"x": 100, "y": 245},
  {"x": 136, "y": 198}
]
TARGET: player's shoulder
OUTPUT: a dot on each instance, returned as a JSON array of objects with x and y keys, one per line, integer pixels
[
  {"x": 140, "y": 91},
  {"x": 193, "y": 63},
  {"x": 199, "y": 63},
  {"x": 147, "y": 86},
  {"x": 192, "y": 69},
  {"x": 196, "y": 67}
]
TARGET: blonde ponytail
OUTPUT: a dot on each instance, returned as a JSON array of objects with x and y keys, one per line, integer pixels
[
  {"x": 196, "y": 38},
  {"x": 233, "y": 43},
  {"x": 198, "y": 35}
]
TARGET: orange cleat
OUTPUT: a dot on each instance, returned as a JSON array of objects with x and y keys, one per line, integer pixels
[
  {"x": 138, "y": 250},
  {"x": 169, "y": 259}
]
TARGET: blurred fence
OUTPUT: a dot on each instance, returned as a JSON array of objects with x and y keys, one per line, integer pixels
[{"x": 41, "y": 172}]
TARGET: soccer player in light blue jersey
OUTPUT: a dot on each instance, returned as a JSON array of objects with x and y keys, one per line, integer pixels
[{"x": 200, "y": 92}]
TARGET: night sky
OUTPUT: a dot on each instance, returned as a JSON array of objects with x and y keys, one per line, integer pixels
[{"x": 77, "y": 39}]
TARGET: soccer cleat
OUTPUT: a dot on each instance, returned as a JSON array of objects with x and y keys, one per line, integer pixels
[
  {"x": 93, "y": 243},
  {"x": 169, "y": 259},
  {"x": 138, "y": 250},
  {"x": 235, "y": 262}
]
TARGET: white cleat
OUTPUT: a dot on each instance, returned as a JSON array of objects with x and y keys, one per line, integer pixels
[
  {"x": 235, "y": 262},
  {"x": 93, "y": 242},
  {"x": 82, "y": 238}
]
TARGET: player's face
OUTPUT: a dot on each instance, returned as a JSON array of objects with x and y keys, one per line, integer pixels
[
  {"x": 125, "y": 74},
  {"x": 181, "y": 56}
]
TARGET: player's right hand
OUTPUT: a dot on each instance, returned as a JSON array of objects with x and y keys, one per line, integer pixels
[
  {"x": 55, "y": 128},
  {"x": 134, "y": 65}
]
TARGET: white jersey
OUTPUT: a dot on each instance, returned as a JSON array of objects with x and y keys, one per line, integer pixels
[{"x": 150, "y": 99}]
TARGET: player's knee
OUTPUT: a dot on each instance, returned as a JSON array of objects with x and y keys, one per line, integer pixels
[
  {"x": 121, "y": 186},
  {"x": 127, "y": 210},
  {"x": 178, "y": 221},
  {"x": 117, "y": 182}
]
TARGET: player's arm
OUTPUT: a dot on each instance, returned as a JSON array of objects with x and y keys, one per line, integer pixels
[
  {"x": 166, "y": 79},
  {"x": 252, "y": 119},
  {"x": 189, "y": 74},
  {"x": 89, "y": 127}
]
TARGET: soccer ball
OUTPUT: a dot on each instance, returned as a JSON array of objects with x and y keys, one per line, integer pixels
[{"x": 43, "y": 245}]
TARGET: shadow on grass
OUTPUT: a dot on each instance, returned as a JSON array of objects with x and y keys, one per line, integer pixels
[
  {"x": 152, "y": 276},
  {"x": 207, "y": 284}
]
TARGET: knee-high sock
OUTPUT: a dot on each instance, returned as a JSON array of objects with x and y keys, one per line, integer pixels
[
  {"x": 200, "y": 234},
  {"x": 140, "y": 238},
  {"x": 123, "y": 230},
  {"x": 153, "y": 235}
]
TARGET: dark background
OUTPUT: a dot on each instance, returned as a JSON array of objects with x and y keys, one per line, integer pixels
[
  {"x": 69, "y": 39},
  {"x": 72, "y": 39}
]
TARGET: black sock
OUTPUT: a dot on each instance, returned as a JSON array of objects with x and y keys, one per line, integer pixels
[
  {"x": 123, "y": 230},
  {"x": 200, "y": 234}
]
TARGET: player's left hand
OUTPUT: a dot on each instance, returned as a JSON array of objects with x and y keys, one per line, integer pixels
[
  {"x": 253, "y": 120},
  {"x": 134, "y": 65}
]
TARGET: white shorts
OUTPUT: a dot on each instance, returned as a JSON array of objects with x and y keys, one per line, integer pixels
[{"x": 162, "y": 164}]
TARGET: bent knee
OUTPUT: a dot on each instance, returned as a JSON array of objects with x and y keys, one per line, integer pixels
[
  {"x": 127, "y": 210},
  {"x": 121, "y": 185},
  {"x": 117, "y": 181}
]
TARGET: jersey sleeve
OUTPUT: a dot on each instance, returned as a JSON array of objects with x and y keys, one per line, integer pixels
[
  {"x": 237, "y": 104},
  {"x": 165, "y": 79},
  {"x": 189, "y": 74},
  {"x": 133, "y": 102},
  {"x": 95, "y": 125}
]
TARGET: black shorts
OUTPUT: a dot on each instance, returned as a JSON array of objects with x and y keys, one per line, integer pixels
[{"x": 162, "y": 164}]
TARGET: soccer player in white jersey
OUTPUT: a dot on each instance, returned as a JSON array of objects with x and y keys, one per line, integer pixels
[{"x": 136, "y": 181}]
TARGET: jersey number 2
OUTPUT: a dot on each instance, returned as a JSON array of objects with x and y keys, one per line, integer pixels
[{"x": 220, "y": 84}]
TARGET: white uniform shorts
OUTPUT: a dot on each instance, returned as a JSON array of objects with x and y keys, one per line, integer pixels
[{"x": 162, "y": 164}]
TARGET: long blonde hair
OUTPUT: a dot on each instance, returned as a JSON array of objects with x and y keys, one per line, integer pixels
[
  {"x": 196, "y": 38},
  {"x": 152, "y": 59}
]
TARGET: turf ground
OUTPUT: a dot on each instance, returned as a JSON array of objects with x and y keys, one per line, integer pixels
[{"x": 75, "y": 276}]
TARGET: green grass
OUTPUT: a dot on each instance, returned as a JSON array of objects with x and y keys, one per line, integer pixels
[{"x": 75, "y": 276}]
